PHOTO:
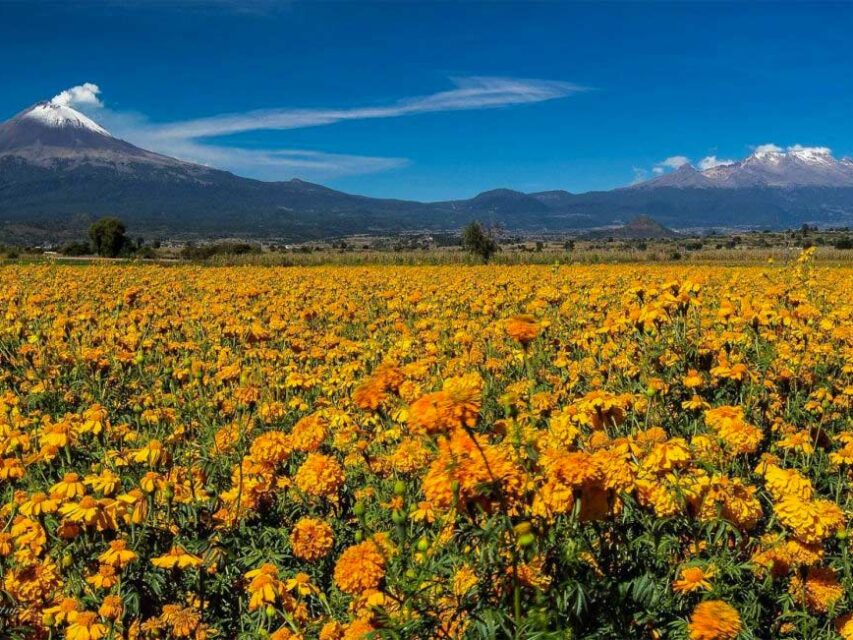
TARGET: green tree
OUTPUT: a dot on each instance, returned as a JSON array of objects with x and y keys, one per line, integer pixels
[
  {"x": 108, "y": 237},
  {"x": 478, "y": 240}
]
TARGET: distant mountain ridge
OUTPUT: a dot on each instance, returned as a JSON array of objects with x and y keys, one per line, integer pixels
[
  {"x": 59, "y": 169},
  {"x": 767, "y": 167}
]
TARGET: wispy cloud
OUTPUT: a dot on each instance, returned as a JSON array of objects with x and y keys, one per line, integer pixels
[
  {"x": 640, "y": 175},
  {"x": 188, "y": 139},
  {"x": 470, "y": 93}
]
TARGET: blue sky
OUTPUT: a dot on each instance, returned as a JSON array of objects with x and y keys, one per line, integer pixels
[{"x": 441, "y": 100}]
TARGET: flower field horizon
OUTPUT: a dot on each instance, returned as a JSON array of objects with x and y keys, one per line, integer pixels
[{"x": 338, "y": 452}]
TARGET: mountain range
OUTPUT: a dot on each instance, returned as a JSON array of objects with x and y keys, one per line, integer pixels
[{"x": 59, "y": 170}]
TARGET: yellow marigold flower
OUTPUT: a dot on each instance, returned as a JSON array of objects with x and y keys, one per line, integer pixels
[
  {"x": 320, "y": 476},
  {"x": 28, "y": 534},
  {"x": 423, "y": 512},
  {"x": 178, "y": 558},
  {"x": 666, "y": 456},
  {"x": 105, "y": 578},
  {"x": 265, "y": 587},
  {"x": 301, "y": 584},
  {"x": 311, "y": 539},
  {"x": 359, "y": 568},
  {"x": 85, "y": 626},
  {"x": 11, "y": 469},
  {"x": 64, "y": 611},
  {"x": 782, "y": 482},
  {"x": 463, "y": 398},
  {"x": 90, "y": 512},
  {"x": 118, "y": 555},
  {"x": 138, "y": 505},
  {"x": 693, "y": 379},
  {"x": 106, "y": 483},
  {"x": 802, "y": 440},
  {"x": 714, "y": 620},
  {"x": 731, "y": 499},
  {"x": 5, "y": 544},
  {"x": 68, "y": 488},
  {"x": 811, "y": 520},
  {"x": 38, "y": 504},
  {"x": 151, "y": 454}
]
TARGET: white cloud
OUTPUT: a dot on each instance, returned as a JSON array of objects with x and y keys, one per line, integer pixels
[
  {"x": 83, "y": 95},
  {"x": 673, "y": 162},
  {"x": 470, "y": 93},
  {"x": 709, "y": 162},
  {"x": 765, "y": 149},
  {"x": 185, "y": 139}
]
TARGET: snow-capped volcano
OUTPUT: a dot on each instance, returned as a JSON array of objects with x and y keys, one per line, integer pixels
[
  {"x": 55, "y": 115},
  {"x": 50, "y": 132},
  {"x": 768, "y": 166}
]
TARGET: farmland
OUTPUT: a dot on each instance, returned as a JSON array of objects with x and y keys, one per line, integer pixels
[{"x": 342, "y": 452}]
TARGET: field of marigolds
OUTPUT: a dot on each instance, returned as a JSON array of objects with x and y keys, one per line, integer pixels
[{"x": 604, "y": 452}]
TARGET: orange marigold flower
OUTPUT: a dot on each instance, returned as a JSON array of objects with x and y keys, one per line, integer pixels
[
  {"x": 714, "y": 620},
  {"x": 332, "y": 630},
  {"x": 522, "y": 328},
  {"x": 184, "y": 621},
  {"x": 311, "y": 539},
  {"x": 111, "y": 608},
  {"x": 320, "y": 476},
  {"x": 693, "y": 579},
  {"x": 819, "y": 591},
  {"x": 272, "y": 448},
  {"x": 309, "y": 433},
  {"x": 359, "y": 568}
]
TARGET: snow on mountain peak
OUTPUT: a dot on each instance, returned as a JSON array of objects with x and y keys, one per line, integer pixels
[
  {"x": 811, "y": 154},
  {"x": 56, "y": 115},
  {"x": 769, "y": 166},
  {"x": 773, "y": 154},
  {"x": 765, "y": 151}
]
